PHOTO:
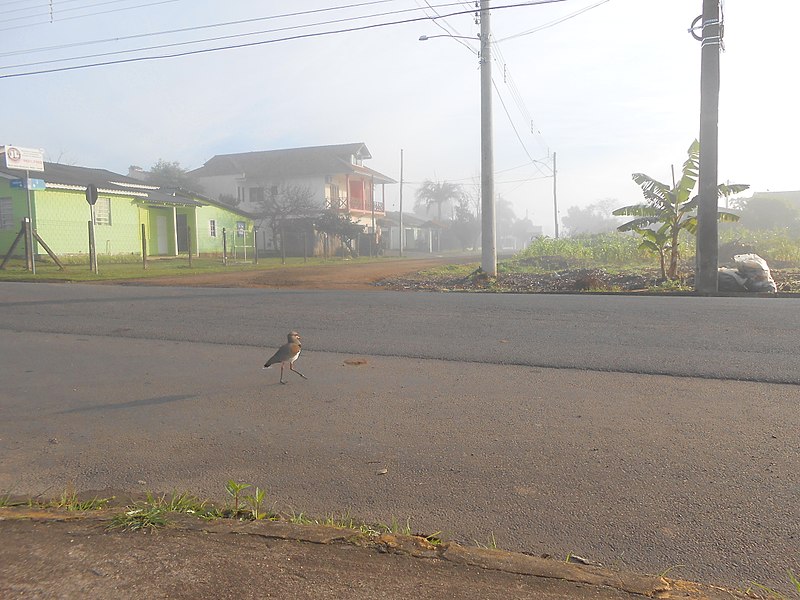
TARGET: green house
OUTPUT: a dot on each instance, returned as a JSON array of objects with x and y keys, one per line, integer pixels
[{"x": 175, "y": 221}]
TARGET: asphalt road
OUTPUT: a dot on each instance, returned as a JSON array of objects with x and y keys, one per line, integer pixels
[{"x": 638, "y": 449}]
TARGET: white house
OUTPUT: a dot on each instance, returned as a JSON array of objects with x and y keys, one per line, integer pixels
[{"x": 335, "y": 176}]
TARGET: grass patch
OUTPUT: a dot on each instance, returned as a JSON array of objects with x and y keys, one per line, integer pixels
[
  {"x": 69, "y": 501},
  {"x": 138, "y": 519},
  {"x": 122, "y": 268}
]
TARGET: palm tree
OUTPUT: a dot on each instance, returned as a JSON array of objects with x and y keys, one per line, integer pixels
[
  {"x": 437, "y": 193},
  {"x": 673, "y": 208}
]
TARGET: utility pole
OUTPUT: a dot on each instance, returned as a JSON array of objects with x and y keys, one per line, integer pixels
[
  {"x": 707, "y": 228},
  {"x": 555, "y": 197},
  {"x": 488, "y": 230},
  {"x": 401, "y": 202}
]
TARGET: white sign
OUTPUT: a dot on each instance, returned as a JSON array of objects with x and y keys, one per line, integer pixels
[{"x": 24, "y": 159}]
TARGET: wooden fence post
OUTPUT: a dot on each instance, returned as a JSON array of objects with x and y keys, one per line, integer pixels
[{"x": 144, "y": 247}]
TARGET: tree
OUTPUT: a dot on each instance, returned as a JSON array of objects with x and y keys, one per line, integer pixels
[
  {"x": 504, "y": 218},
  {"x": 594, "y": 218},
  {"x": 437, "y": 193},
  {"x": 284, "y": 202},
  {"x": 465, "y": 226},
  {"x": 769, "y": 213},
  {"x": 171, "y": 174},
  {"x": 341, "y": 226},
  {"x": 672, "y": 207}
]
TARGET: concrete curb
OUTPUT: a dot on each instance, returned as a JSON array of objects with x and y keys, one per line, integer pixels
[{"x": 647, "y": 586}]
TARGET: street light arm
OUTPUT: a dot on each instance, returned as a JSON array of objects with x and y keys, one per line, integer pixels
[{"x": 425, "y": 38}]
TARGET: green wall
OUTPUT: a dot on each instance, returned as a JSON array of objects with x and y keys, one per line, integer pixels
[
  {"x": 62, "y": 220},
  {"x": 224, "y": 219},
  {"x": 19, "y": 209}
]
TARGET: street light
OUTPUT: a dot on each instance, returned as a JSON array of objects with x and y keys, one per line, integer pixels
[{"x": 488, "y": 228}]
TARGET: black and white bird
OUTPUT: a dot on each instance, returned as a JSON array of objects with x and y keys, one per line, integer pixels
[{"x": 287, "y": 353}]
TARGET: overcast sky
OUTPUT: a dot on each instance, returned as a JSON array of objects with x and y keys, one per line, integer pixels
[{"x": 611, "y": 90}]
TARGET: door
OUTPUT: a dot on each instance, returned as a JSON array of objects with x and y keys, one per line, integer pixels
[
  {"x": 161, "y": 232},
  {"x": 183, "y": 233}
]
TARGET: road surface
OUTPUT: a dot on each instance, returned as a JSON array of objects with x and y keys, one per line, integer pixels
[{"x": 609, "y": 427}]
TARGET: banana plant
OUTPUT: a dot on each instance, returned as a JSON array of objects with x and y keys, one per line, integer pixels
[
  {"x": 656, "y": 241},
  {"x": 671, "y": 208}
]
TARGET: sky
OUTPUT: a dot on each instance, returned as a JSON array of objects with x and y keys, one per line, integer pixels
[{"x": 608, "y": 87}]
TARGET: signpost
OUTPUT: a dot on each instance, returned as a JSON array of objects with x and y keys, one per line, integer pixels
[
  {"x": 91, "y": 198},
  {"x": 26, "y": 159}
]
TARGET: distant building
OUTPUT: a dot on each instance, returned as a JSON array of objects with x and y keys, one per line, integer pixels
[
  {"x": 174, "y": 221},
  {"x": 334, "y": 175}
]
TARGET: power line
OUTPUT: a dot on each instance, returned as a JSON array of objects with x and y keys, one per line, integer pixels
[
  {"x": 50, "y": 8},
  {"x": 104, "y": 12},
  {"x": 265, "y": 42},
  {"x": 199, "y": 27},
  {"x": 554, "y": 23},
  {"x": 217, "y": 38}
]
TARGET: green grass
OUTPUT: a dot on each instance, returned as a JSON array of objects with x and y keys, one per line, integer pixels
[
  {"x": 491, "y": 542},
  {"x": 69, "y": 501},
  {"x": 137, "y": 519},
  {"x": 116, "y": 269}
]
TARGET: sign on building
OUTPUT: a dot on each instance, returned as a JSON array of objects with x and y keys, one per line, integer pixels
[{"x": 24, "y": 159}]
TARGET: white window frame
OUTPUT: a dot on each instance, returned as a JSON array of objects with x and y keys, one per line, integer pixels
[
  {"x": 212, "y": 228},
  {"x": 102, "y": 212}
]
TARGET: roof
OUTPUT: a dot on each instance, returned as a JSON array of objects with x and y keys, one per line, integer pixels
[
  {"x": 292, "y": 162},
  {"x": 392, "y": 219},
  {"x": 69, "y": 177},
  {"x": 785, "y": 196}
]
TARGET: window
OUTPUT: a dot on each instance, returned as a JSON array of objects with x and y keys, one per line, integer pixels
[
  {"x": 6, "y": 214},
  {"x": 212, "y": 228},
  {"x": 102, "y": 211},
  {"x": 256, "y": 195},
  {"x": 240, "y": 227}
]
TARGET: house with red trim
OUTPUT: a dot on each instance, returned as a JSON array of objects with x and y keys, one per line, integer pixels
[{"x": 335, "y": 176}]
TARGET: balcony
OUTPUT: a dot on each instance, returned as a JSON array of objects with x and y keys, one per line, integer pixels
[{"x": 361, "y": 205}]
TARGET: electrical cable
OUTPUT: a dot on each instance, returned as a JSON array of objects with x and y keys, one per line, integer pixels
[
  {"x": 553, "y": 23},
  {"x": 104, "y": 12},
  {"x": 264, "y": 42}
]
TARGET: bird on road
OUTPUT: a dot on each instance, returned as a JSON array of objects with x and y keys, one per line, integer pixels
[{"x": 287, "y": 353}]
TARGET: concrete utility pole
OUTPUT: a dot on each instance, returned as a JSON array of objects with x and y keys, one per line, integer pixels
[
  {"x": 555, "y": 197},
  {"x": 401, "y": 202},
  {"x": 707, "y": 227},
  {"x": 488, "y": 230}
]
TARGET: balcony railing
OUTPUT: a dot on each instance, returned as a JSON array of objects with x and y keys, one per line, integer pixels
[
  {"x": 359, "y": 204},
  {"x": 339, "y": 203}
]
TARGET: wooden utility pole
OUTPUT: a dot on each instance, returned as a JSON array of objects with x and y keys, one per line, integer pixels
[
  {"x": 488, "y": 228},
  {"x": 707, "y": 229}
]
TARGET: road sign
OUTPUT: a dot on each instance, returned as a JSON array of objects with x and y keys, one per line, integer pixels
[
  {"x": 91, "y": 194},
  {"x": 33, "y": 184},
  {"x": 24, "y": 159}
]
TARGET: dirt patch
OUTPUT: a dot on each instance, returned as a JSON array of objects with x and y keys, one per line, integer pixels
[
  {"x": 336, "y": 275},
  {"x": 404, "y": 274}
]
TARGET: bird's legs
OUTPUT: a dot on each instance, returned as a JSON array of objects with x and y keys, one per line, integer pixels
[
  {"x": 291, "y": 368},
  {"x": 282, "y": 381}
]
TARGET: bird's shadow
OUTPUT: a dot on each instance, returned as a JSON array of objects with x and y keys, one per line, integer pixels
[{"x": 132, "y": 404}]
